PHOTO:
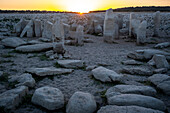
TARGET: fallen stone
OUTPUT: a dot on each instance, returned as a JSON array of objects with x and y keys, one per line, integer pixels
[
  {"x": 105, "y": 75},
  {"x": 162, "y": 45},
  {"x": 164, "y": 86},
  {"x": 131, "y": 62},
  {"x": 48, "y": 97},
  {"x": 126, "y": 109},
  {"x": 137, "y": 71},
  {"x": 81, "y": 103},
  {"x": 35, "y": 48},
  {"x": 160, "y": 71},
  {"x": 13, "y": 42},
  {"x": 137, "y": 100},
  {"x": 49, "y": 71},
  {"x": 158, "y": 78},
  {"x": 130, "y": 89},
  {"x": 71, "y": 63},
  {"x": 12, "y": 98},
  {"x": 160, "y": 61}
]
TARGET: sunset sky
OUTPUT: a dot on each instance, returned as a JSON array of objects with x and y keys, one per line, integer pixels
[{"x": 76, "y": 5}]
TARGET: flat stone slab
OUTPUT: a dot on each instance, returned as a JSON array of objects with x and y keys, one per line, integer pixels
[
  {"x": 131, "y": 62},
  {"x": 158, "y": 78},
  {"x": 35, "y": 48},
  {"x": 105, "y": 75},
  {"x": 162, "y": 45},
  {"x": 137, "y": 100},
  {"x": 13, "y": 42},
  {"x": 48, "y": 97},
  {"x": 130, "y": 89},
  {"x": 126, "y": 109},
  {"x": 137, "y": 71},
  {"x": 47, "y": 71},
  {"x": 12, "y": 98},
  {"x": 71, "y": 63}
]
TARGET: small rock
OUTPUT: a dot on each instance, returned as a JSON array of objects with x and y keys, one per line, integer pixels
[
  {"x": 131, "y": 62},
  {"x": 89, "y": 68},
  {"x": 49, "y": 53},
  {"x": 106, "y": 75},
  {"x": 126, "y": 109},
  {"x": 71, "y": 63},
  {"x": 12, "y": 98},
  {"x": 162, "y": 45},
  {"x": 158, "y": 78},
  {"x": 49, "y": 71},
  {"x": 164, "y": 86},
  {"x": 48, "y": 97},
  {"x": 81, "y": 103},
  {"x": 160, "y": 61},
  {"x": 160, "y": 71}
]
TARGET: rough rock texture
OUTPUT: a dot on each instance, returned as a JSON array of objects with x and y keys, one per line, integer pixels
[
  {"x": 12, "y": 98},
  {"x": 48, "y": 97},
  {"x": 160, "y": 61},
  {"x": 81, "y": 103},
  {"x": 49, "y": 71},
  {"x": 126, "y": 109},
  {"x": 158, "y": 78},
  {"x": 28, "y": 30},
  {"x": 105, "y": 75},
  {"x": 37, "y": 28},
  {"x": 47, "y": 31},
  {"x": 71, "y": 63},
  {"x": 164, "y": 86},
  {"x": 130, "y": 89},
  {"x": 13, "y": 42},
  {"x": 137, "y": 71},
  {"x": 131, "y": 62},
  {"x": 137, "y": 100},
  {"x": 35, "y": 48},
  {"x": 141, "y": 33}
]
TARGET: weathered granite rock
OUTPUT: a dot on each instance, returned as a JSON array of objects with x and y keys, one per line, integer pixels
[
  {"x": 157, "y": 22},
  {"x": 12, "y": 98},
  {"x": 105, "y": 75},
  {"x": 126, "y": 109},
  {"x": 28, "y": 30},
  {"x": 79, "y": 35},
  {"x": 37, "y": 28},
  {"x": 59, "y": 48},
  {"x": 35, "y": 48},
  {"x": 137, "y": 71},
  {"x": 47, "y": 31},
  {"x": 81, "y": 103},
  {"x": 130, "y": 89},
  {"x": 160, "y": 61},
  {"x": 48, "y": 97},
  {"x": 137, "y": 100},
  {"x": 160, "y": 71},
  {"x": 20, "y": 26},
  {"x": 162, "y": 45},
  {"x": 71, "y": 63},
  {"x": 13, "y": 42},
  {"x": 158, "y": 78},
  {"x": 49, "y": 71},
  {"x": 164, "y": 86},
  {"x": 141, "y": 33}
]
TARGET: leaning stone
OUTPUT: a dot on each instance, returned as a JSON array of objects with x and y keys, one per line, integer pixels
[
  {"x": 137, "y": 71},
  {"x": 126, "y": 109},
  {"x": 20, "y": 26},
  {"x": 49, "y": 71},
  {"x": 13, "y": 42},
  {"x": 130, "y": 89},
  {"x": 81, "y": 103},
  {"x": 48, "y": 97},
  {"x": 158, "y": 78},
  {"x": 160, "y": 61},
  {"x": 71, "y": 63},
  {"x": 105, "y": 75},
  {"x": 35, "y": 48},
  {"x": 28, "y": 30},
  {"x": 12, "y": 98},
  {"x": 141, "y": 33},
  {"x": 137, "y": 100}
]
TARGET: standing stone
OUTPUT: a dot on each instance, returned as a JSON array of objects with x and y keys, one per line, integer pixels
[
  {"x": 132, "y": 16},
  {"x": 28, "y": 30},
  {"x": 157, "y": 21},
  {"x": 110, "y": 27},
  {"x": 120, "y": 21},
  {"x": 134, "y": 27},
  {"x": 37, "y": 24},
  {"x": 47, "y": 31},
  {"x": 20, "y": 26},
  {"x": 81, "y": 103},
  {"x": 48, "y": 97},
  {"x": 141, "y": 33},
  {"x": 79, "y": 35},
  {"x": 66, "y": 30}
]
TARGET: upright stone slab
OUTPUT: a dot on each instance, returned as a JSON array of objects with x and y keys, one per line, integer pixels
[
  {"x": 20, "y": 26},
  {"x": 132, "y": 16},
  {"x": 28, "y": 30},
  {"x": 157, "y": 21},
  {"x": 110, "y": 27},
  {"x": 37, "y": 28},
  {"x": 79, "y": 35},
  {"x": 120, "y": 21},
  {"x": 141, "y": 33},
  {"x": 47, "y": 31},
  {"x": 66, "y": 30}
]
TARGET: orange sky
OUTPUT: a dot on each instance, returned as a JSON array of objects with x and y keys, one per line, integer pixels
[{"x": 76, "y": 5}]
